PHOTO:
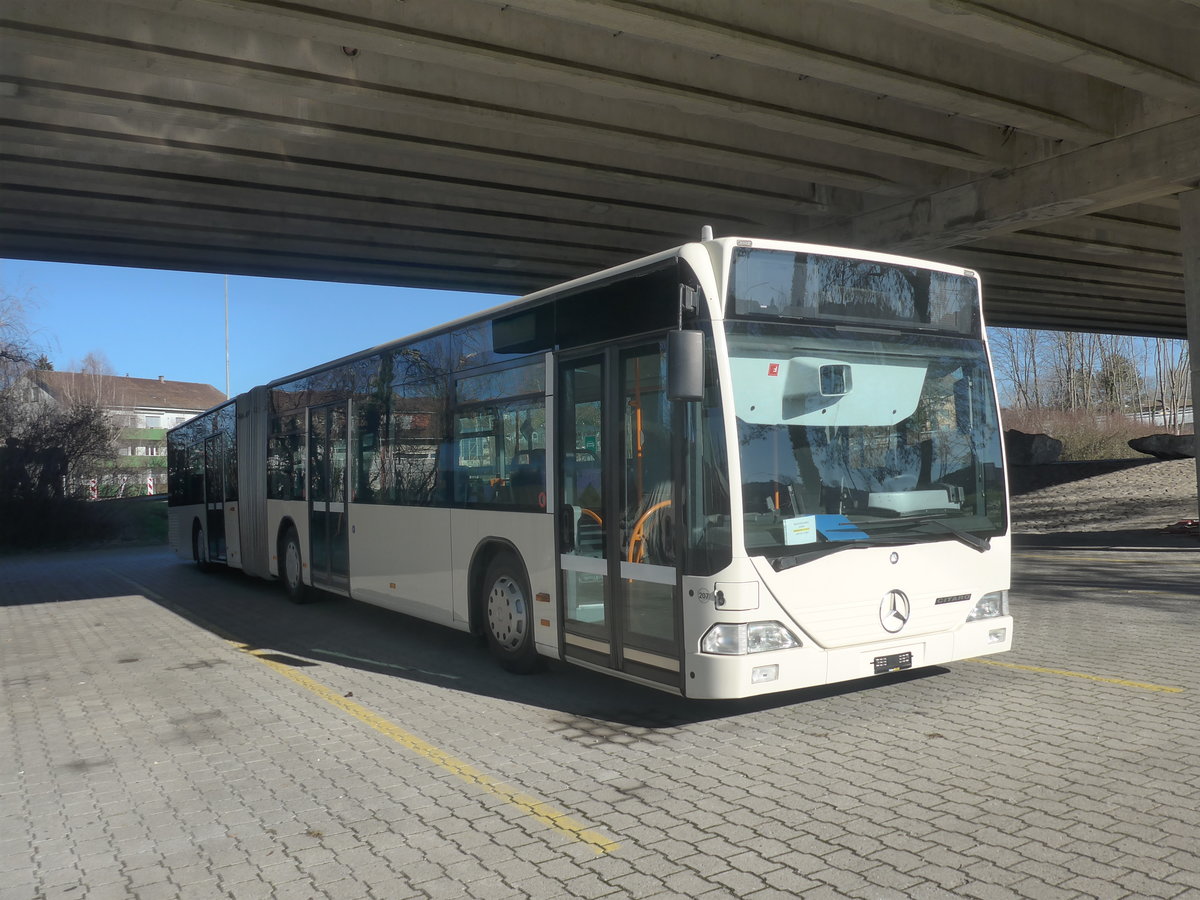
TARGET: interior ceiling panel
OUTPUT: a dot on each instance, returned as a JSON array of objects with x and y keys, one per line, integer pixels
[{"x": 506, "y": 146}]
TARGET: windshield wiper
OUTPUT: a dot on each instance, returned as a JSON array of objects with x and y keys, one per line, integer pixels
[{"x": 974, "y": 541}]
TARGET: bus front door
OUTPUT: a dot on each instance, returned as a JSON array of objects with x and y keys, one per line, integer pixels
[
  {"x": 619, "y": 594},
  {"x": 329, "y": 538},
  {"x": 214, "y": 497}
]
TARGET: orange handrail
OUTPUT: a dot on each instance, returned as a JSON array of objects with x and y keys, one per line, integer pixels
[{"x": 637, "y": 540}]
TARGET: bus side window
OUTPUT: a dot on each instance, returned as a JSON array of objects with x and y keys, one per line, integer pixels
[
  {"x": 499, "y": 455},
  {"x": 528, "y": 478},
  {"x": 523, "y": 423}
]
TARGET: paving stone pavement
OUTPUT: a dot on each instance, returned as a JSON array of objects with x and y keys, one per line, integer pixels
[{"x": 168, "y": 733}]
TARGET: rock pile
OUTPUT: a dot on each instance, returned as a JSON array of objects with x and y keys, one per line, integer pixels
[{"x": 1166, "y": 446}]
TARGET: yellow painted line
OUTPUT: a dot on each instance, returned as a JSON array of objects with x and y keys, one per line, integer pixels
[
  {"x": 1121, "y": 681},
  {"x": 531, "y": 806}
]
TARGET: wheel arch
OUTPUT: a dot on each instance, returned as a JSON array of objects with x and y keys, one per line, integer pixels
[{"x": 485, "y": 551}]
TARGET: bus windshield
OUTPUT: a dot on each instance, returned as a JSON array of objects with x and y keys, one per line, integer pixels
[{"x": 850, "y": 438}]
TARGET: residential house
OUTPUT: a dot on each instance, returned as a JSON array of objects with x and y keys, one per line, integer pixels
[{"x": 144, "y": 408}]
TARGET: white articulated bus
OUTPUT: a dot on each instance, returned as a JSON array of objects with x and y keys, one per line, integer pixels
[{"x": 735, "y": 467}]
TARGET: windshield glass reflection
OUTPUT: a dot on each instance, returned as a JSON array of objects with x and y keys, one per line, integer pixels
[{"x": 855, "y": 439}]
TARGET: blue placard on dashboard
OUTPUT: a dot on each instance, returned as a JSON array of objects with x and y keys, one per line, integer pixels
[{"x": 838, "y": 528}]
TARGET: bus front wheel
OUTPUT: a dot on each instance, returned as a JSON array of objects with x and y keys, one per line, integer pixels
[
  {"x": 291, "y": 568},
  {"x": 508, "y": 615}
]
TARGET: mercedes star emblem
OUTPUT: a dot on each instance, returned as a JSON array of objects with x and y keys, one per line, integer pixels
[{"x": 894, "y": 611}]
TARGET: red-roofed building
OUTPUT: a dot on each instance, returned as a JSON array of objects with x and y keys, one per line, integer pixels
[{"x": 144, "y": 408}]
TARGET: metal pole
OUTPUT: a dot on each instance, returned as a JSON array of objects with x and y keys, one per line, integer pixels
[
  {"x": 226, "y": 337},
  {"x": 1189, "y": 221}
]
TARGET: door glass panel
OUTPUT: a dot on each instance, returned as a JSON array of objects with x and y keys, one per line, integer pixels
[
  {"x": 214, "y": 493},
  {"x": 649, "y": 617},
  {"x": 338, "y": 533},
  {"x": 648, "y": 493},
  {"x": 337, "y": 455},
  {"x": 328, "y": 537},
  {"x": 318, "y": 494},
  {"x": 317, "y": 455},
  {"x": 584, "y": 519}
]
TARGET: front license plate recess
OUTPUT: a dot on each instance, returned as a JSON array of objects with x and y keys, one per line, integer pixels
[{"x": 894, "y": 662}]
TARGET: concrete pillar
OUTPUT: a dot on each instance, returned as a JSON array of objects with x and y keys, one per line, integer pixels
[{"x": 1189, "y": 223}]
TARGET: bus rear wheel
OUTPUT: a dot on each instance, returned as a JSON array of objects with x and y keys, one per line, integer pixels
[
  {"x": 199, "y": 547},
  {"x": 291, "y": 568},
  {"x": 508, "y": 615}
]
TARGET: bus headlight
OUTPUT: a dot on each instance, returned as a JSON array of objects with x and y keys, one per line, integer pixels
[
  {"x": 727, "y": 639},
  {"x": 989, "y": 606}
]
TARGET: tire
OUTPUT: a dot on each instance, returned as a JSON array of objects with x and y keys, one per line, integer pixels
[
  {"x": 291, "y": 568},
  {"x": 200, "y": 547},
  {"x": 507, "y": 610}
]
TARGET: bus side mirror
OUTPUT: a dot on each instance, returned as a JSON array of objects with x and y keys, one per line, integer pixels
[{"x": 685, "y": 365}]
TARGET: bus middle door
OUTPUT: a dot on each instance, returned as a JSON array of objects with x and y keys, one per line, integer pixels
[{"x": 329, "y": 537}]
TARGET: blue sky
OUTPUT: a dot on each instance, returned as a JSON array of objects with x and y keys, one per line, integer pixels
[{"x": 148, "y": 322}]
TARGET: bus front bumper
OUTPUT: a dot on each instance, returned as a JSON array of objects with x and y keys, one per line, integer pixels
[{"x": 712, "y": 677}]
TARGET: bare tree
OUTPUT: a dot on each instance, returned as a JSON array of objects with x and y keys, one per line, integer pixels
[
  {"x": 1017, "y": 357},
  {"x": 93, "y": 384},
  {"x": 1172, "y": 382},
  {"x": 43, "y": 444},
  {"x": 16, "y": 352},
  {"x": 1118, "y": 381},
  {"x": 16, "y": 343}
]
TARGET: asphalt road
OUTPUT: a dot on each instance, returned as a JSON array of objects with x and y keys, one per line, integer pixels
[{"x": 168, "y": 733}]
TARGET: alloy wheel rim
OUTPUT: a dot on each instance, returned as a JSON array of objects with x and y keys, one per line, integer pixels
[
  {"x": 507, "y": 612},
  {"x": 293, "y": 564}
]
